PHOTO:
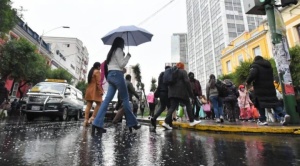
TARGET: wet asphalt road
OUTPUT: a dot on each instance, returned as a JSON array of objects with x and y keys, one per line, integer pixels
[{"x": 57, "y": 143}]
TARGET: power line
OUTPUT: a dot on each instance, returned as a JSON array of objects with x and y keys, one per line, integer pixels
[{"x": 148, "y": 18}]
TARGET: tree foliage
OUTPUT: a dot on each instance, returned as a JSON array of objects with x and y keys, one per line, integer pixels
[
  {"x": 8, "y": 16},
  {"x": 60, "y": 73},
  {"x": 295, "y": 64},
  {"x": 138, "y": 77},
  {"x": 19, "y": 61},
  {"x": 153, "y": 84},
  {"x": 82, "y": 85},
  {"x": 241, "y": 73}
]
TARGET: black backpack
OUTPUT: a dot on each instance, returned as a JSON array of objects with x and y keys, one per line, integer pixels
[
  {"x": 222, "y": 88},
  {"x": 170, "y": 76}
]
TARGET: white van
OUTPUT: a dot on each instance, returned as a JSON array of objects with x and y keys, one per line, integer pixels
[{"x": 54, "y": 98}]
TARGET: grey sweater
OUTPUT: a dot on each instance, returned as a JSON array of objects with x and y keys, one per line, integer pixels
[{"x": 211, "y": 91}]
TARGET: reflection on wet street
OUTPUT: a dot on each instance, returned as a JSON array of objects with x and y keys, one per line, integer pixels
[{"x": 68, "y": 143}]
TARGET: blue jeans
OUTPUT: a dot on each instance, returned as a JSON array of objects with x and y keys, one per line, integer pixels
[
  {"x": 217, "y": 106},
  {"x": 116, "y": 81}
]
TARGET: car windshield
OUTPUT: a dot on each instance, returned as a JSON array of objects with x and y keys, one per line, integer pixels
[{"x": 48, "y": 87}]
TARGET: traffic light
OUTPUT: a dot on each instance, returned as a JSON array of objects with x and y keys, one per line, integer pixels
[{"x": 288, "y": 2}]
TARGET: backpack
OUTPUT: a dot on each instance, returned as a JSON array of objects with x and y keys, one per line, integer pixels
[
  {"x": 104, "y": 72},
  {"x": 222, "y": 88},
  {"x": 169, "y": 77}
]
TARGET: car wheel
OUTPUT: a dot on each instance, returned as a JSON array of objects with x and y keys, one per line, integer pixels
[
  {"x": 30, "y": 117},
  {"x": 77, "y": 117},
  {"x": 64, "y": 116}
]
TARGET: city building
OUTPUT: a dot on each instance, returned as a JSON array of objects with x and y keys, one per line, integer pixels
[
  {"x": 211, "y": 25},
  {"x": 258, "y": 42},
  {"x": 70, "y": 54},
  {"x": 179, "y": 48}
]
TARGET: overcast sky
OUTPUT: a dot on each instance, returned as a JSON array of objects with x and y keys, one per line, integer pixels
[{"x": 89, "y": 20}]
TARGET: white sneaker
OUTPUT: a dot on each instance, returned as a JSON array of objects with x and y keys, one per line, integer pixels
[
  {"x": 195, "y": 122},
  {"x": 286, "y": 120},
  {"x": 166, "y": 126},
  {"x": 218, "y": 120},
  {"x": 262, "y": 123}
]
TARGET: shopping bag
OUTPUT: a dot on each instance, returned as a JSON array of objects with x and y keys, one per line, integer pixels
[
  {"x": 255, "y": 112},
  {"x": 206, "y": 107},
  {"x": 180, "y": 111},
  {"x": 202, "y": 114}
]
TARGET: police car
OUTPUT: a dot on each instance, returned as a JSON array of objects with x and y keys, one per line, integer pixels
[{"x": 54, "y": 98}]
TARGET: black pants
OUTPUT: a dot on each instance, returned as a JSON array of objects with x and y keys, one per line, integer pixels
[
  {"x": 164, "y": 102},
  {"x": 174, "y": 105},
  {"x": 152, "y": 109},
  {"x": 231, "y": 110}
]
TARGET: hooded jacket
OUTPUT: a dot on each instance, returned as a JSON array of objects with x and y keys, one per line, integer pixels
[
  {"x": 261, "y": 75},
  {"x": 182, "y": 88}
]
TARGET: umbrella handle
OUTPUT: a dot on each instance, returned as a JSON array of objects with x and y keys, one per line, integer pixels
[{"x": 127, "y": 42}]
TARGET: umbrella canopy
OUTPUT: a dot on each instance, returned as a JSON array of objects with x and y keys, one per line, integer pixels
[{"x": 132, "y": 35}]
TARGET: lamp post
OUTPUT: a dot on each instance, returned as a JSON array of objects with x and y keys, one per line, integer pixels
[{"x": 40, "y": 42}]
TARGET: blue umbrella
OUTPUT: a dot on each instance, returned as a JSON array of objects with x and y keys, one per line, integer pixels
[{"x": 132, "y": 35}]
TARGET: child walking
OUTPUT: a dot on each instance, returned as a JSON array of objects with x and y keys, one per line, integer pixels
[{"x": 244, "y": 103}]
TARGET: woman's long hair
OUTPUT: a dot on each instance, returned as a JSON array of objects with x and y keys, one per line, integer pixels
[
  {"x": 212, "y": 81},
  {"x": 118, "y": 43},
  {"x": 90, "y": 75}
]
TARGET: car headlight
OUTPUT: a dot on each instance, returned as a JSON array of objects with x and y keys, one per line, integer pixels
[{"x": 54, "y": 100}]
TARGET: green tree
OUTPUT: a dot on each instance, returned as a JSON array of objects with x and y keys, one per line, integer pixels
[
  {"x": 153, "y": 84},
  {"x": 82, "y": 85},
  {"x": 227, "y": 76},
  {"x": 138, "y": 77},
  {"x": 19, "y": 61},
  {"x": 8, "y": 16},
  {"x": 295, "y": 64},
  {"x": 60, "y": 73},
  {"x": 241, "y": 73}
]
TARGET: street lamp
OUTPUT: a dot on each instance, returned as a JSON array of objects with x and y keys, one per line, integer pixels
[{"x": 48, "y": 32}]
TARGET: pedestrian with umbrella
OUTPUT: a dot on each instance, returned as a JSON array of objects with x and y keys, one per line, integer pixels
[{"x": 116, "y": 61}]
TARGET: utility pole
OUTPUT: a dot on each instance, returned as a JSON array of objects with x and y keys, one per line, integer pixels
[{"x": 280, "y": 49}]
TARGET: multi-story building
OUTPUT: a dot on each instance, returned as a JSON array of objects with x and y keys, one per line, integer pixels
[
  {"x": 258, "y": 41},
  {"x": 212, "y": 24},
  {"x": 70, "y": 54},
  {"x": 179, "y": 48}
]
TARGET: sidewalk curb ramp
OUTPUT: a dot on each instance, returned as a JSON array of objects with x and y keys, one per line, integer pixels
[{"x": 239, "y": 128}]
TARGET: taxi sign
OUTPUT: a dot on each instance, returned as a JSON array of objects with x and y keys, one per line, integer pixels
[{"x": 56, "y": 80}]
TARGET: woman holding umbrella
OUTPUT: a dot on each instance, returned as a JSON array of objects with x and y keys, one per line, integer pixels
[{"x": 116, "y": 61}]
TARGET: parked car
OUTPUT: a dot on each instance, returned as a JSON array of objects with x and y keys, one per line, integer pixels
[{"x": 54, "y": 98}]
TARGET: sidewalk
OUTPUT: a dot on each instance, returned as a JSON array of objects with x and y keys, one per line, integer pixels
[{"x": 248, "y": 127}]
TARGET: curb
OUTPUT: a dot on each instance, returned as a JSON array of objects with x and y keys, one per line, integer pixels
[{"x": 236, "y": 128}]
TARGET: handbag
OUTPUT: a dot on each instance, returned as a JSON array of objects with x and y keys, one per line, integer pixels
[
  {"x": 206, "y": 107},
  {"x": 180, "y": 111},
  {"x": 255, "y": 112},
  {"x": 202, "y": 114}
]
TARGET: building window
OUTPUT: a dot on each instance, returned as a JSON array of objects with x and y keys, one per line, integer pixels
[
  {"x": 240, "y": 59},
  {"x": 15, "y": 90},
  {"x": 228, "y": 64},
  {"x": 257, "y": 51}
]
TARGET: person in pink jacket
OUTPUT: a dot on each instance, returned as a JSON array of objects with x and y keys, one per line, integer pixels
[{"x": 244, "y": 103}]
